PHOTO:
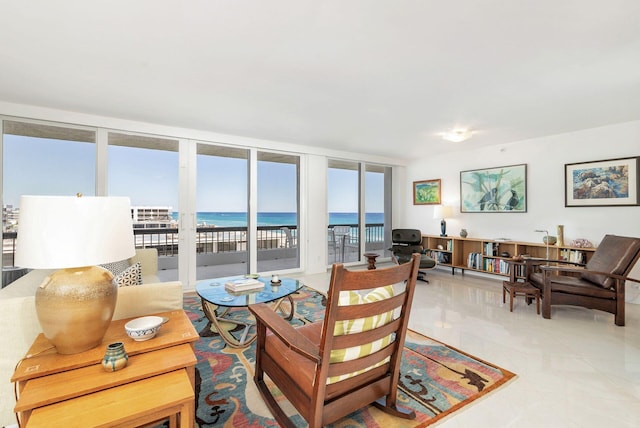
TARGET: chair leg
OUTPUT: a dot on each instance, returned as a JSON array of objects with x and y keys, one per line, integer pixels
[
  {"x": 546, "y": 307},
  {"x": 421, "y": 277}
]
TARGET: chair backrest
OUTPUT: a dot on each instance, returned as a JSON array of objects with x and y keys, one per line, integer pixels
[
  {"x": 406, "y": 236},
  {"x": 616, "y": 255},
  {"x": 288, "y": 236},
  {"x": 363, "y": 332}
]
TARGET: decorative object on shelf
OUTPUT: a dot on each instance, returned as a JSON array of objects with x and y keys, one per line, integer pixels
[
  {"x": 371, "y": 259},
  {"x": 581, "y": 243},
  {"x": 551, "y": 240},
  {"x": 505, "y": 254},
  {"x": 545, "y": 240},
  {"x": 560, "y": 230},
  {"x": 500, "y": 189},
  {"x": 612, "y": 182},
  {"x": 427, "y": 192},
  {"x": 443, "y": 212},
  {"x": 74, "y": 234},
  {"x": 115, "y": 358},
  {"x": 463, "y": 233},
  {"x": 144, "y": 328}
]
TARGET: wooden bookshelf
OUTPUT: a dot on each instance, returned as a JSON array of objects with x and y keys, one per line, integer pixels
[{"x": 492, "y": 255}]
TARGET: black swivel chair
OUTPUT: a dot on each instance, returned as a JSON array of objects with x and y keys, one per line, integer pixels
[{"x": 404, "y": 243}]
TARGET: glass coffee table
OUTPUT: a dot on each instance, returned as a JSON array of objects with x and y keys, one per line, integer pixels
[{"x": 217, "y": 301}]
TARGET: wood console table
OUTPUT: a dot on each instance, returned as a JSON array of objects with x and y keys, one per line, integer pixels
[{"x": 74, "y": 390}]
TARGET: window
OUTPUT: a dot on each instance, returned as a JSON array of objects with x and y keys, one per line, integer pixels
[
  {"x": 343, "y": 193},
  {"x": 145, "y": 168},
  {"x": 377, "y": 209},
  {"x": 221, "y": 211},
  {"x": 278, "y": 225},
  {"x": 41, "y": 159}
]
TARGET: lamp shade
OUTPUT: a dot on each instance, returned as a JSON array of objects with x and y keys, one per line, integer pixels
[
  {"x": 56, "y": 232},
  {"x": 443, "y": 211}
]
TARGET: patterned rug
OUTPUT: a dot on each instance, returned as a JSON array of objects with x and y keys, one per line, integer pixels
[{"x": 435, "y": 379}]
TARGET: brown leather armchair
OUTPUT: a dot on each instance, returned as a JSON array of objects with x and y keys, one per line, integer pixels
[
  {"x": 331, "y": 368},
  {"x": 598, "y": 285}
]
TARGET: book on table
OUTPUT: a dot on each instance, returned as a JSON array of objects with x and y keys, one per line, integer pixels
[{"x": 243, "y": 284}]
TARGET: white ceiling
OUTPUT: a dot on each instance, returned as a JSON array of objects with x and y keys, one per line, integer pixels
[{"x": 373, "y": 76}]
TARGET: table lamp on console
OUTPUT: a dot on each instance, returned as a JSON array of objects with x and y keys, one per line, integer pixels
[
  {"x": 74, "y": 234},
  {"x": 443, "y": 212}
]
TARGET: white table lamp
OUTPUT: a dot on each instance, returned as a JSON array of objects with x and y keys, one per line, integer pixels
[
  {"x": 72, "y": 233},
  {"x": 443, "y": 212}
]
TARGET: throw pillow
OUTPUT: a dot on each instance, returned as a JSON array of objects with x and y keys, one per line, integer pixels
[
  {"x": 130, "y": 276},
  {"x": 116, "y": 268},
  {"x": 359, "y": 325}
]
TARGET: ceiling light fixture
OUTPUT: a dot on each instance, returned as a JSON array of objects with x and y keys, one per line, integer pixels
[{"x": 457, "y": 135}]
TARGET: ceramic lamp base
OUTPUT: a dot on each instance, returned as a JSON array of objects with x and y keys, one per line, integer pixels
[{"x": 75, "y": 307}]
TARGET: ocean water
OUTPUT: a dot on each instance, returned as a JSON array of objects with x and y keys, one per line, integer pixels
[{"x": 231, "y": 219}]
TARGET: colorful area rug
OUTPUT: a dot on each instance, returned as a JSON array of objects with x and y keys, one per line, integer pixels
[{"x": 435, "y": 379}]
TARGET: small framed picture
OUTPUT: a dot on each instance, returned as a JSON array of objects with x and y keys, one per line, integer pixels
[
  {"x": 427, "y": 192},
  {"x": 604, "y": 183}
]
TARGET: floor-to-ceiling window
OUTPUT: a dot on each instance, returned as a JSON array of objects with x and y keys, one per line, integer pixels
[
  {"x": 42, "y": 159},
  {"x": 343, "y": 202},
  {"x": 278, "y": 207},
  {"x": 354, "y": 188},
  {"x": 221, "y": 211},
  {"x": 377, "y": 201},
  {"x": 145, "y": 168}
]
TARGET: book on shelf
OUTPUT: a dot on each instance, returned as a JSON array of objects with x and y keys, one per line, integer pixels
[
  {"x": 575, "y": 256},
  {"x": 243, "y": 284}
]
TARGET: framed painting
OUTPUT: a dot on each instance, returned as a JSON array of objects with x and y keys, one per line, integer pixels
[
  {"x": 605, "y": 183},
  {"x": 427, "y": 192},
  {"x": 492, "y": 190}
]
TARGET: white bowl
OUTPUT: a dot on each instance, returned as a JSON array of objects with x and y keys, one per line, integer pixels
[{"x": 143, "y": 328}]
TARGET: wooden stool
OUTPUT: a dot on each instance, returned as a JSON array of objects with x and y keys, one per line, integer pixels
[
  {"x": 371, "y": 258},
  {"x": 133, "y": 404},
  {"x": 520, "y": 289}
]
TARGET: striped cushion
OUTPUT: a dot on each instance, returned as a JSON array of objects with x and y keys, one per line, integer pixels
[{"x": 358, "y": 325}]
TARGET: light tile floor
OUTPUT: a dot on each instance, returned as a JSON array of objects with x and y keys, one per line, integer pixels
[{"x": 575, "y": 370}]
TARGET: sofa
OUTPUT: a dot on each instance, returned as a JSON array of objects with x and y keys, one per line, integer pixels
[{"x": 19, "y": 324}]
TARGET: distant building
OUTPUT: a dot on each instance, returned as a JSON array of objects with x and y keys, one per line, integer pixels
[
  {"x": 10, "y": 216},
  {"x": 152, "y": 217}
]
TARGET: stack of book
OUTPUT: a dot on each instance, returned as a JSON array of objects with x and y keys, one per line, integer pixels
[{"x": 243, "y": 284}]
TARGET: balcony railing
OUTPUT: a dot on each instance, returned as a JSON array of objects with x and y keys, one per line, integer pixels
[{"x": 213, "y": 240}]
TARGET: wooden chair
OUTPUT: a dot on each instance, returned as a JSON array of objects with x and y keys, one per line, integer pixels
[
  {"x": 331, "y": 368},
  {"x": 598, "y": 285}
]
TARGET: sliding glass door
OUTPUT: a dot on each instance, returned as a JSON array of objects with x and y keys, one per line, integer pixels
[
  {"x": 377, "y": 202},
  {"x": 145, "y": 168},
  {"x": 41, "y": 159},
  {"x": 222, "y": 235},
  {"x": 343, "y": 201},
  {"x": 277, "y": 217}
]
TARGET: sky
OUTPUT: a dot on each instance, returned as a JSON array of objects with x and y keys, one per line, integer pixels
[{"x": 40, "y": 166}]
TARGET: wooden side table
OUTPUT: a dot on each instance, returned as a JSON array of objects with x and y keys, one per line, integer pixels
[
  {"x": 371, "y": 258},
  {"x": 520, "y": 289},
  {"x": 50, "y": 383}
]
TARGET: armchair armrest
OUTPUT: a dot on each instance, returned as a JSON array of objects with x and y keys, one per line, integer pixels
[
  {"x": 266, "y": 317},
  {"x": 580, "y": 270},
  {"x": 539, "y": 262},
  {"x": 618, "y": 278}
]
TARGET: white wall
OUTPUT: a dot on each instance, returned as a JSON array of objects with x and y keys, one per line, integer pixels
[{"x": 545, "y": 159}]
